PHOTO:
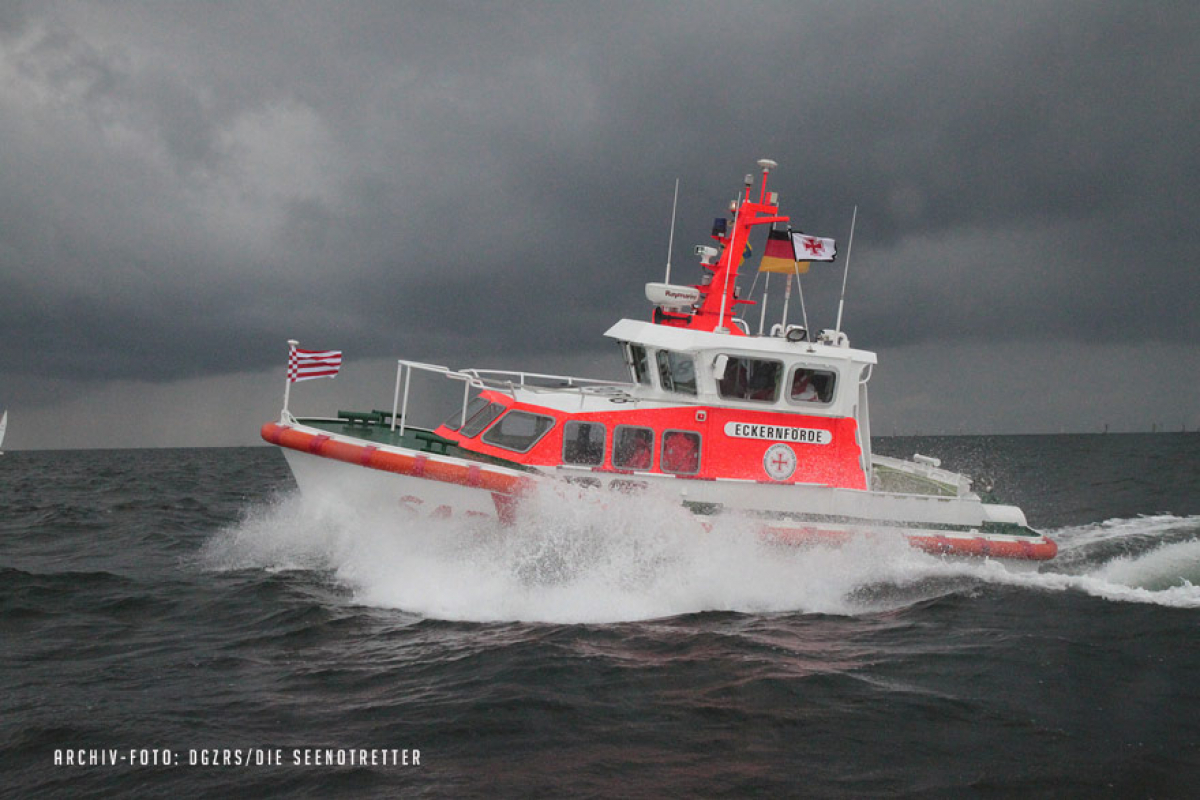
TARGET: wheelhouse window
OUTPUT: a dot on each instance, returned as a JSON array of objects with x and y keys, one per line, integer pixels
[
  {"x": 639, "y": 364},
  {"x": 583, "y": 443},
  {"x": 633, "y": 448},
  {"x": 518, "y": 431},
  {"x": 676, "y": 372},
  {"x": 748, "y": 378},
  {"x": 812, "y": 385},
  {"x": 482, "y": 417},
  {"x": 456, "y": 419},
  {"x": 681, "y": 452}
]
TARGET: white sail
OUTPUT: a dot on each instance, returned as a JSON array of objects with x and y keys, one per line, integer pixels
[{"x": 3, "y": 427}]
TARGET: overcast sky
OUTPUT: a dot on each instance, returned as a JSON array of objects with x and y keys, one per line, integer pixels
[{"x": 185, "y": 186}]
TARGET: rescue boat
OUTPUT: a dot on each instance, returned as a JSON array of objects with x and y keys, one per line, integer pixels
[{"x": 771, "y": 426}]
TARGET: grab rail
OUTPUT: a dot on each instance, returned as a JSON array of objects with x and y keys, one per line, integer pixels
[
  {"x": 524, "y": 377},
  {"x": 479, "y": 379},
  {"x": 402, "y": 364}
]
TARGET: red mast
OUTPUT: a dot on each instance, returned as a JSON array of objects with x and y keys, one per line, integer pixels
[{"x": 715, "y": 311}]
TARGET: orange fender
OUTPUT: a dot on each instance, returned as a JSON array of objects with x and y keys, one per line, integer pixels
[{"x": 417, "y": 465}]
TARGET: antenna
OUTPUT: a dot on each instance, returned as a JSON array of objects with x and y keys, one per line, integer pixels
[
  {"x": 767, "y": 165},
  {"x": 671, "y": 241},
  {"x": 846, "y": 272}
]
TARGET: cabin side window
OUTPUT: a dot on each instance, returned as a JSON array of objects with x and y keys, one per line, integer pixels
[
  {"x": 680, "y": 452},
  {"x": 812, "y": 385},
  {"x": 749, "y": 378},
  {"x": 639, "y": 364},
  {"x": 481, "y": 412},
  {"x": 482, "y": 418},
  {"x": 456, "y": 419},
  {"x": 518, "y": 431},
  {"x": 633, "y": 448},
  {"x": 583, "y": 443},
  {"x": 676, "y": 372}
]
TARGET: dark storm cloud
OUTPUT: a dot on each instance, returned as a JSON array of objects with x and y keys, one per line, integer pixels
[{"x": 184, "y": 186}]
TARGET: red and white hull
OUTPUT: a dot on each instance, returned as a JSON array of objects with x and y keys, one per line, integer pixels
[
  {"x": 427, "y": 484},
  {"x": 772, "y": 426},
  {"x": 443, "y": 486}
]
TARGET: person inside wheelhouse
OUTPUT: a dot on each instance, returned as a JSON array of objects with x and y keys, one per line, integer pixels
[
  {"x": 749, "y": 379},
  {"x": 812, "y": 386}
]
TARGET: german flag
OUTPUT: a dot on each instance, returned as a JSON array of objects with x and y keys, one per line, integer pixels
[{"x": 780, "y": 255}]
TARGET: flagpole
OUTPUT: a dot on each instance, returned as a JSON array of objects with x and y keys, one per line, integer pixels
[
  {"x": 799, "y": 285},
  {"x": 762, "y": 317},
  {"x": 287, "y": 381},
  {"x": 787, "y": 298},
  {"x": 800, "y": 289},
  {"x": 846, "y": 272}
]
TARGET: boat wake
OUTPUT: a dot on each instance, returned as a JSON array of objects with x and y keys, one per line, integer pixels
[
  {"x": 1149, "y": 559},
  {"x": 637, "y": 558}
]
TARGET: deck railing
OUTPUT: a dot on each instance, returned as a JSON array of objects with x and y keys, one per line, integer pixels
[
  {"x": 524, "y": 379},
  {"x": 483, "y": 379}
]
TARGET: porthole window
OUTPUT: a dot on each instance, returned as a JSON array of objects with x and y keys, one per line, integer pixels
[
  {"x": 583, "y": 443},
  {"x": 633, "y": 448},
  {"x": 680, "y": 452}
]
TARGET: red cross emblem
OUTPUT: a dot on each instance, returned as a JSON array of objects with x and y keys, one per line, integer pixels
[
  {"x": 814, "y": 247},
  {"x": 779, "y": 462}
]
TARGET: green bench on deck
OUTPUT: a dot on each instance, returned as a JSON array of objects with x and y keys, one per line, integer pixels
[
  {"x": 432, "y": 443},
  {"x": 362, "y": 417},
  {"x": 429, "y": 442}
]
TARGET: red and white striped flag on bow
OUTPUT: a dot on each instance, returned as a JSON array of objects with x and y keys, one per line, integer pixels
[{"x": 304, "y": 365}]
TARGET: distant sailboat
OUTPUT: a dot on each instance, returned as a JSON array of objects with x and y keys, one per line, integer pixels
[{"x": 3, "y": 427}]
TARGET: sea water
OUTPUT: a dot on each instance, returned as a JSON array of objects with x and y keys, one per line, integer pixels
[{"x": 183, "y": 621}]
